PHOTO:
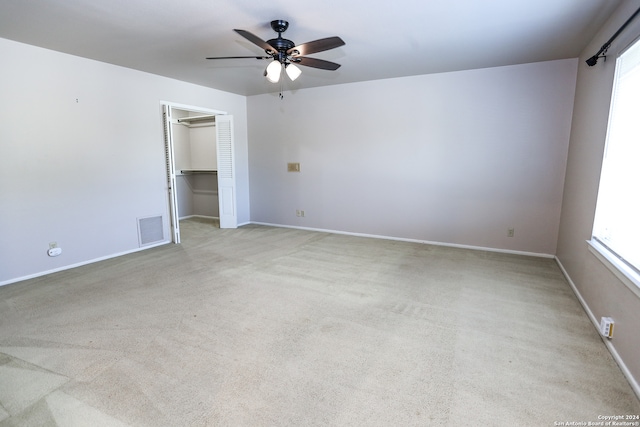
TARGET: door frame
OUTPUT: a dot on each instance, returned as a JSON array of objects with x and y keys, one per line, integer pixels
[{"x": 170, "y": 178}]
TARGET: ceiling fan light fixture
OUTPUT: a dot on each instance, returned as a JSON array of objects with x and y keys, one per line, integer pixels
[
  {"x": 274, "y": 69},
  {"x": 292, "y": 71}
]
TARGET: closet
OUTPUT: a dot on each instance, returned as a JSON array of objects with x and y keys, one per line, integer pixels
[
  {"x": 199, "y": 155},
  {"x": 195, "y": 157}
]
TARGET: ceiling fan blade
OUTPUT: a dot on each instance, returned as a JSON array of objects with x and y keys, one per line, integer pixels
[
  {"x": 316, "y": 46},
  {"x": 239, "y": 57},
  {"x": 315, "y": 63},
  {"x": 256, "y": 40}
]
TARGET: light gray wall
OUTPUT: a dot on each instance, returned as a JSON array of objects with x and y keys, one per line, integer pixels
[
  {"x": 602, "y": 292},
  {"x": 456, "y": 158},
  {"x": 81, "y": 172},
  {"x": 203, "y": 147}
]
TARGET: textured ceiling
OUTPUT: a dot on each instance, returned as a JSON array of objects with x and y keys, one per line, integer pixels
[{"x": 383, "y": 39}]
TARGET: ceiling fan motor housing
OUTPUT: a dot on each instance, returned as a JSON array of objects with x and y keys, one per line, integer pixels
[{"x": 280, "y": 44}]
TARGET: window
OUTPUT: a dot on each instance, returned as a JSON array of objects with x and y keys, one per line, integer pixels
[{"x": 616, "y": 231}]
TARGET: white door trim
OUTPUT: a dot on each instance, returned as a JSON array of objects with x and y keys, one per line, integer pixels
[{"x": 172, "y": 193}]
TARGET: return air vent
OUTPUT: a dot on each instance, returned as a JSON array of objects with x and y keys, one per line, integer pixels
[{"x": 150, "y": 230}]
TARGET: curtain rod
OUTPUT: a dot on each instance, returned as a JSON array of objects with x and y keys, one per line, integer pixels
[{"x": 594, "y": 59}]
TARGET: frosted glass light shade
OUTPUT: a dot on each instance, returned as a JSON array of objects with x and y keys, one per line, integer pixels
[
  {"x": 292, "y": 71},
  {"x": 273, "y": 71}
]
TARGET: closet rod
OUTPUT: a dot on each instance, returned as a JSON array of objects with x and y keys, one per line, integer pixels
[{"x": 197, "y": 119}]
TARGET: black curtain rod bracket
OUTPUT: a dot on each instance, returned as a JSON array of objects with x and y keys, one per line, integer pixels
[{"x": 603, "y": 50}]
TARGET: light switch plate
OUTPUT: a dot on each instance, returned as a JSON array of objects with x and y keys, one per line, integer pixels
[{"x": 293, "y": 167}]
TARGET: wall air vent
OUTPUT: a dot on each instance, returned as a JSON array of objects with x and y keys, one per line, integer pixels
[{"x": 150, "y": 230}]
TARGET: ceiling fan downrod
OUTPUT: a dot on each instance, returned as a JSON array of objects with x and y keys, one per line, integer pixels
[{"x": 280, "y": 44}]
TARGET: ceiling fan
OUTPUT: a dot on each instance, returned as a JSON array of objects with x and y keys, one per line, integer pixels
[{"x": 285, "y": 54}]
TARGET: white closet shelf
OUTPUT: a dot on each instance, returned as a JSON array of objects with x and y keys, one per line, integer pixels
[{"x": 192, "y": 171}]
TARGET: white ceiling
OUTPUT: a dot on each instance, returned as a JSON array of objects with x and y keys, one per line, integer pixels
[{"x": 383, "y": 39}]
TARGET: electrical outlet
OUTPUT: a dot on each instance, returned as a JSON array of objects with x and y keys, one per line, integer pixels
[
  {"x": 53, "y": 245},
  {"x": 54, "y": 252},
  {"x": 299, "y": 213},
  {"x": 606, "y": 327},
  {"x": 302, "y": 213},
  {"x": 511, "y": 232}
]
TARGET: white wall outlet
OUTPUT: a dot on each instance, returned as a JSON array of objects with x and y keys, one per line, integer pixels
[
  {"x": 511, "y": 232},
  {"x": 299, "y": 213},
  {"x": 54, "y": 251},
  {"x": 606, "y": 327},
  {"x": 53, "y": 245}
]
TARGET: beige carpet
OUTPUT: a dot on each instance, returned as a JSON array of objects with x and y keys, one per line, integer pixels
[{"x": 263, "y": 326}]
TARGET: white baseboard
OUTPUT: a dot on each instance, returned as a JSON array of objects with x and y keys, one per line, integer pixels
[
  {"x": 402, "y": 239},
  {"x": 91, "y": 261},
  {"x": 198, "y": 216},
  {"x": 632, "y": 381},
  {"x": 79, "y": 264}
]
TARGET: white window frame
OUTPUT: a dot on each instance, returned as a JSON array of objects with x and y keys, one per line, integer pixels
[
  {"x": 624, "y": 271},
  {"x": 619, "y": 268}
]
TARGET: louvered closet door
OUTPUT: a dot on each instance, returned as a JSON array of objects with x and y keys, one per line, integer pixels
[
  {"x": 171, "y": 173},
  {"x": 226, "y": 172}
]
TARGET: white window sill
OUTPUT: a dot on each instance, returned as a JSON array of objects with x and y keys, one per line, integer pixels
[{"x": 627, "y": 275}]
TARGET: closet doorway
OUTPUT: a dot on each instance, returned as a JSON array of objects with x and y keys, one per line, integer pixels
[{"x": 200, "y": 166}]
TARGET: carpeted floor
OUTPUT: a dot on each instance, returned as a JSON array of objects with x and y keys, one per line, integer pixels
[{"x": 265, "y": 326}]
